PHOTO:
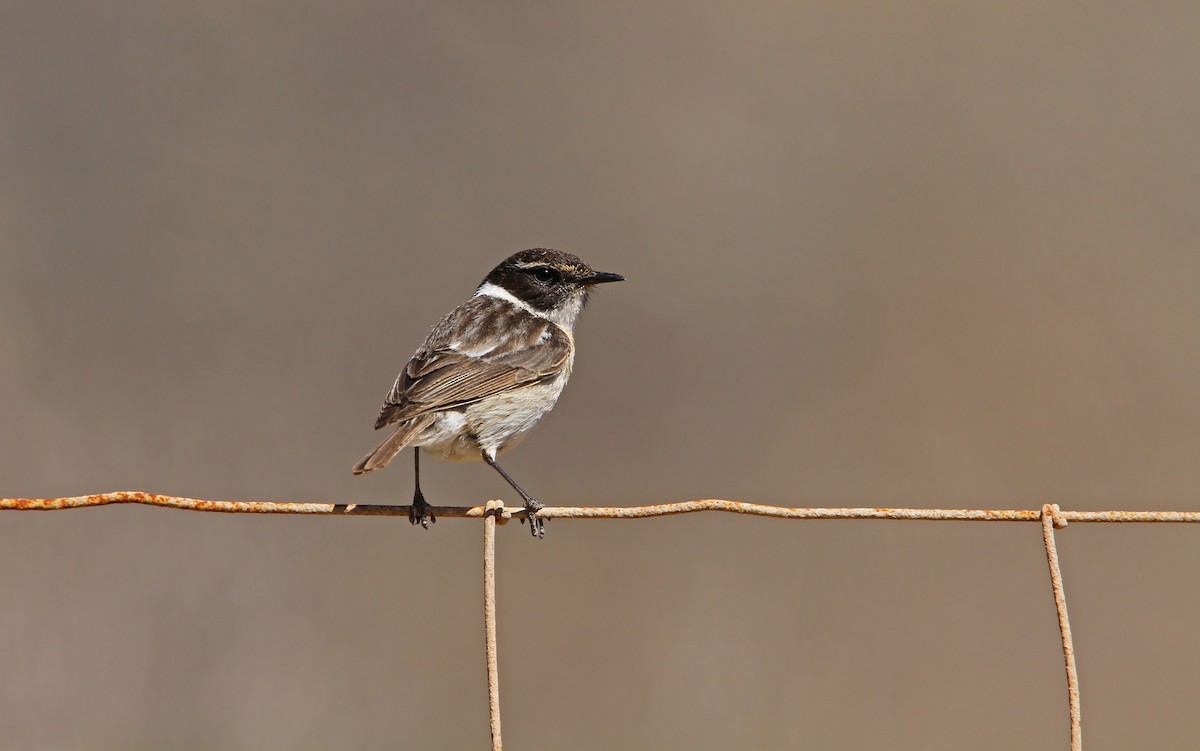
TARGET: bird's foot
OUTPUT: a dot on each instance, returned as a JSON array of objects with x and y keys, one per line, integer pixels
[
  {"x": 420, "y": 512},
  {"x": 537, "y": 525}
]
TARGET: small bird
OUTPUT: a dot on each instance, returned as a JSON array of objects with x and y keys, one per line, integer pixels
[{"x": 490, "y": 370}]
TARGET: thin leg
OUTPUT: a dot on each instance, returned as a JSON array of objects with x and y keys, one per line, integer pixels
[
  {"x": 537, "y": 526},
  {"x": 419, "y": 512}
]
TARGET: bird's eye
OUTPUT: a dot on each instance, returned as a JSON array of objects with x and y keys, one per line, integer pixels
[{"x": 545, "y": 275}]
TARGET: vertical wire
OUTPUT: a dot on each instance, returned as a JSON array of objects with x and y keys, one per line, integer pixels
[
  {"x": 489, "y": 618},
  {"x": 1050, "y": 519}
]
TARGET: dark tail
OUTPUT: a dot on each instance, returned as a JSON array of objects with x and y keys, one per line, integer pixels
[{"x": 393, "y": 444}]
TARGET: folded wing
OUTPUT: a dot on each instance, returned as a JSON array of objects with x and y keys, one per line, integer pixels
[{"x": 478, "y": 351}]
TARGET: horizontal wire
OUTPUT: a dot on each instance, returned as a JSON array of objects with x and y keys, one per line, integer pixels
[{"x": 594, "y": 512}]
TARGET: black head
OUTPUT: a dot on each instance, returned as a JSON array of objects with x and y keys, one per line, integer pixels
[{"x": 547, "y": 279}]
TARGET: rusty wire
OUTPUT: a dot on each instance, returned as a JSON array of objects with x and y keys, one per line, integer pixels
[
  {"x": 494, "y": 512},
  {"x": 1052, "y": 517},
  {"x": 593, "y": 512},
  {"x": 494, "y": 509}
]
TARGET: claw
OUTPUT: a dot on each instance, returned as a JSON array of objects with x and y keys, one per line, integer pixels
[
  {"x": 420, "y": 512},
  {"x": 537, "y": 525}
]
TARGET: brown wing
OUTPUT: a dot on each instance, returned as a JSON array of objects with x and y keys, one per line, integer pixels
[{"x": 483, "y": 348}]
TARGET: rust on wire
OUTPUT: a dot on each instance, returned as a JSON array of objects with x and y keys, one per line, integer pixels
[
  {"x": 227, "y": 507},
  {"x": 1053, "y": 517},
  {"x": 593, "y": 512},
  {"x": 785, "y": 512},
  {"x": 1118, "y": 517},
  {"x": 494, "y": 509}
]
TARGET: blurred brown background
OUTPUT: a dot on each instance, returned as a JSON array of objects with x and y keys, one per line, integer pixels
[{"x": 919, "y": 253}]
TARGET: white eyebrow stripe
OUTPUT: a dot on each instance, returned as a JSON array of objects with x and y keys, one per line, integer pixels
[{"x": 487, "y": 289}]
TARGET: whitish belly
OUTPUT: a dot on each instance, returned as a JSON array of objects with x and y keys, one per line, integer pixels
[{"x": 494, "y": 424}]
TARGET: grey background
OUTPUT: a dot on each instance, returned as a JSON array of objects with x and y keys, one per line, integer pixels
[{"x": 920, "y": 253}]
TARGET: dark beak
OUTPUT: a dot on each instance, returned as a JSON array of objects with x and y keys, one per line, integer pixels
[{"x": 603, "y": 277}]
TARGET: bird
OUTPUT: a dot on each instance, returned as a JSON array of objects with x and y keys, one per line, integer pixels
[{"x": 489, "y": 371}]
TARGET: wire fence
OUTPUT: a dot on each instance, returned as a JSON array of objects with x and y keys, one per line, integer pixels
[{"x": 1050, "y": 517}]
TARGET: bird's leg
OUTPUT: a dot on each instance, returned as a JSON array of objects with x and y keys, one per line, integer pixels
[
  {"x": 419, "y": 512},
  {"x": 537, "y": 525}
]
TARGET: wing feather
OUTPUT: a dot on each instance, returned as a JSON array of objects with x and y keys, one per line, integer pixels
[{"x": 443, "y": 374}]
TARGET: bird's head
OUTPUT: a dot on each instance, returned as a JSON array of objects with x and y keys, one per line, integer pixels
[{"x": 549, "y": 282}]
